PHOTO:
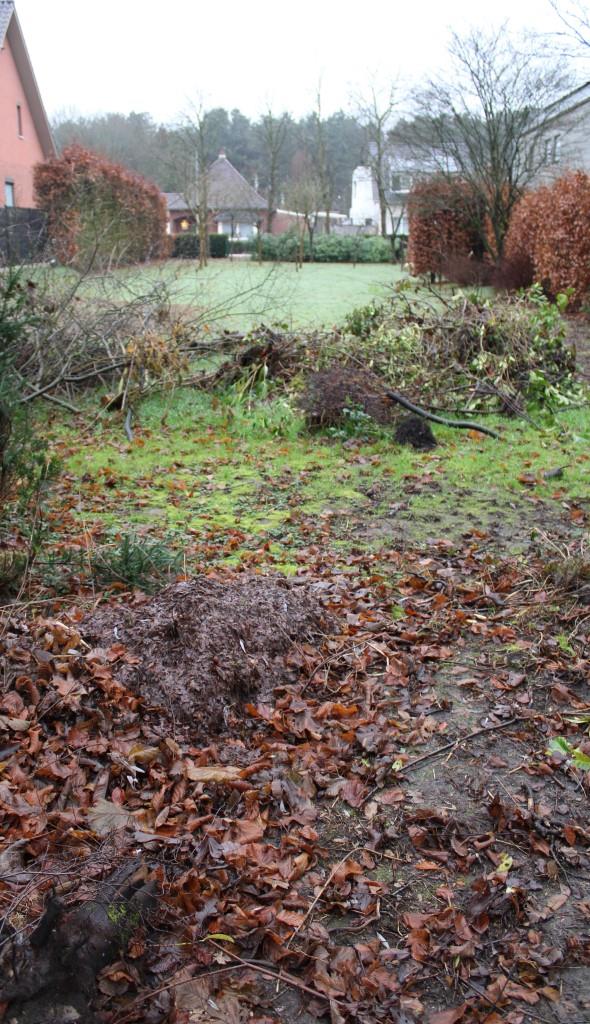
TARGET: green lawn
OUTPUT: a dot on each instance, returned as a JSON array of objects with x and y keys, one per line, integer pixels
[
  {"x": 239, "y": 293},
  {"x": 232, "y": 479}
]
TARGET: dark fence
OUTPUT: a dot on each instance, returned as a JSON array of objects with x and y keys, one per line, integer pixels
[{"x": 23, "y": 235}]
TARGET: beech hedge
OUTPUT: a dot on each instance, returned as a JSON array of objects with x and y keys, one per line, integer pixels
[
  {"x": 551, "y": 227},
  {"x": 441, "y": 222},
  {"x": 99, "y": 213}
]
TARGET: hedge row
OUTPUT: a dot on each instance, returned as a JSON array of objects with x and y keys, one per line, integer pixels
[
  {"x": 98, "y": 212},
  {"x": 187, "y": 246},
  {"x": 548, "y": 239},
  {"x": 551, "y": 227},
  {"x": 331, "y": 248},
  {"x": 441, "y": 225},
  {"x": 285, "y": 248}
]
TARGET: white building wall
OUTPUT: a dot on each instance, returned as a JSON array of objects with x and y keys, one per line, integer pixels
[
  {"x": 365, "y": 207},
  {"x": 365, "y": 212}
]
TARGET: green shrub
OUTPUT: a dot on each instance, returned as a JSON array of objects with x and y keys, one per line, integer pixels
[
  {"x": 23, "y": 456},
  {"x": 135, "y": 562},
  {"x": 25, "y": 463},
  {"x": 239, "y": 246},
  {"x": 330, "y": 248},
  {"x": 186, "y": 246},
  {"x": 218, "y": 246},
  {"x": 280, "y": 247}
]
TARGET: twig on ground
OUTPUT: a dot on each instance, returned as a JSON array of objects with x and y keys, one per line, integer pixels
[
  {"x": 252, "y": 965},
  {"x": 62, "y": 403},
  {"x": 447, "y": 746},
  {"x": 319, "y": 895}
]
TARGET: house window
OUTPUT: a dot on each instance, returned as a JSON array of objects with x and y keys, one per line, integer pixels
[
  {"x": 556, "y": 152},
  {"x": 19, "y": 120},
  {"x": 9, "y": 193},
  {"x": 401, "y": 182}
]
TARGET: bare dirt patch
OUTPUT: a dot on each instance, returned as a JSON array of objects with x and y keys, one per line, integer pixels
[{"x": 203, "y": 645}]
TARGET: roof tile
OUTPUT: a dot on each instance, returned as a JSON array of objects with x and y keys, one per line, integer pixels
[{"x": 229, "y": 190}]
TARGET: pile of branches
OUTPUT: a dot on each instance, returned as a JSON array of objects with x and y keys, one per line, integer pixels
[
  {"x": 63, "y": 332},
  {"x": 496, "y": 354},
  {"x": 260, "y": 354},
  {"x": 499, "y": 353},
  {"x": 462, "y": 353},
  {"x": 59, "y": 339}
]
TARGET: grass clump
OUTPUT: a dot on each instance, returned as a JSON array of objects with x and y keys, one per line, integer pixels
[{"x": 567, "y": 566}]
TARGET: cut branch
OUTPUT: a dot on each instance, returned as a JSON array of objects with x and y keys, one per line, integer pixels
[{"x": 394, "y": 396}]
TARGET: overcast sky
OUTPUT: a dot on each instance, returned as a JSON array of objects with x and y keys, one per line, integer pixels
[{"x": 154, "y": 56}]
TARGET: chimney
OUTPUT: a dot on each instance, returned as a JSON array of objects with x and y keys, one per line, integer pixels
[{"x": 222, "y": 155}]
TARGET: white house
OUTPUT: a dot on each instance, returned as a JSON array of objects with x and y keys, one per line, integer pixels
[{"x": 365, "y": 210}]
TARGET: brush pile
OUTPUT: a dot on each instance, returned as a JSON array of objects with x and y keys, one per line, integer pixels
[{"x": 463, "y": 353}]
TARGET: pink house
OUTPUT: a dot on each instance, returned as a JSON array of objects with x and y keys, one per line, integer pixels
[{"x": 25, "y": 136}]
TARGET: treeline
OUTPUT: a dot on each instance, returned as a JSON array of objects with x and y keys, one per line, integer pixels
[{"x": 337, "y": 143}]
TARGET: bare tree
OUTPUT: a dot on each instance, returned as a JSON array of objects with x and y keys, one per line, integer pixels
[
  {"x": 272, "y": 132},
  {"x": 305, "y": 196},
  {"x": 194, "y": 136},
  {"x": 485, "y": 121},
  {"x": 376, "y": 112},
  {"x": 575, "y": 17},
  {"x": 323, "y": 173}
]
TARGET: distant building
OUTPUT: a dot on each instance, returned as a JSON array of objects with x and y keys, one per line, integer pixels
[
  {"x": 25, "y": 136},
  {"x": 564, "y": 143},
  {"x": 365, "y": 211},
  {"x": 235, "y": 207}
]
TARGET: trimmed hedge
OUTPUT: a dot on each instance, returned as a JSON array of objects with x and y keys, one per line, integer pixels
[
  {"x": 551, "y": 227},
  {"x": 98, "y": 212},
  {"x": 218, "y": 246},
  {"x": 186, "y": 246},
  {"x": 285, "y": 247},
  {"x": 330, "y": 248},
  {"x": 239, "y": 246}
]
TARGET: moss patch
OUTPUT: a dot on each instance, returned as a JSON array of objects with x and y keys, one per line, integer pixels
[{"x": 221, "y": 477}]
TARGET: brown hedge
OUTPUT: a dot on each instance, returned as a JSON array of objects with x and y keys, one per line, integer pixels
[
  {"x": 440, "y": 224},
  {"x": 99, "y": 213},
  {"x": 551, "y": 226}
]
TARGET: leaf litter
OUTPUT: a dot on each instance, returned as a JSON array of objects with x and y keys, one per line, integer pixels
[{"x": 347, "y": 815}]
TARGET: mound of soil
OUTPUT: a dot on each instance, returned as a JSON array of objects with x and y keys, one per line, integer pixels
[
  {"x": 204, "y": 645},
  {"x": 329, "y": 392},
  {"x": 415, "y": 431}
]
